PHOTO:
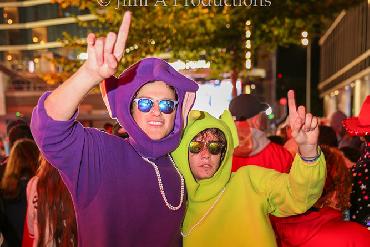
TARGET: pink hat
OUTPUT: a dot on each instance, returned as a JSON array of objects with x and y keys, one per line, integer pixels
[{"x": 359, "y": 126}]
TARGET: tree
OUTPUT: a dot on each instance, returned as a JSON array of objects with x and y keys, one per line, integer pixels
[{"x": 215, "y": 33}]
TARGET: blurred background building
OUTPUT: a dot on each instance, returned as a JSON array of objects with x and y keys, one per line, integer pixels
[
  {"x": 31, "y": 35},
  {"x": 345, "y": 61}
]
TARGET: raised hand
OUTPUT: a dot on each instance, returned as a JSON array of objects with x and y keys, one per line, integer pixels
[
  {"x": 105, "y": 53},
  {"x": 305, "y": 130}
]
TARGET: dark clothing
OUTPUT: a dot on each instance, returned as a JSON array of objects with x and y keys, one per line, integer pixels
[
  {"x": 360, "y": 196},
  {"x": 13, "y": 213}
]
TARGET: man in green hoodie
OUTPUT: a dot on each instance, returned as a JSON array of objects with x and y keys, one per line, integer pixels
[{"x": 231, "y": 209}]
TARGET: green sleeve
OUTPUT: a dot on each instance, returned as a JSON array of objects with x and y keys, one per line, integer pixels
[{"x": 293, "y": 193}]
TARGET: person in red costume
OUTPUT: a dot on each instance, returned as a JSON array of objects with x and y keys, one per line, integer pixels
[
  {"x": 254, "y": 147},
  {"x": 323, "y": 224}
]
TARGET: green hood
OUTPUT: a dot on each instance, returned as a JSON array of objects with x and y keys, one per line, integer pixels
[{"x": 198, "y": 121}]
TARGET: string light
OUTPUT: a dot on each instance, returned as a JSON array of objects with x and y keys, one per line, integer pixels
[{"x": 248, "y": 45}]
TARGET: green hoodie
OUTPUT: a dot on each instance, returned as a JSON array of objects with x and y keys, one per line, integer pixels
[{"x": 231, "y": 209}]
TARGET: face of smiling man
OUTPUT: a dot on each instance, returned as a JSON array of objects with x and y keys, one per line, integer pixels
[
  {"x": 204, "y": 165},
  {"x": 155, "y": 123}
]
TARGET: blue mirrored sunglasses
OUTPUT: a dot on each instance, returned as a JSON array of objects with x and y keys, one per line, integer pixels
[{"x": 166, "y": 106}]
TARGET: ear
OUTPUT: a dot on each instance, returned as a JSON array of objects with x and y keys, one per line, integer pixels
[
  {"x": 227, "y": 118},
  {"x": 256, "y": 121},
  {"x": 187, "y": 104},
  {"x": 193, "y": 116},
  {"x": 107, "y": 91}
]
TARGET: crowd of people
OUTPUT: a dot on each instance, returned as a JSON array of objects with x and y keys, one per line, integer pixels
[{"x": 166, "y": 175}]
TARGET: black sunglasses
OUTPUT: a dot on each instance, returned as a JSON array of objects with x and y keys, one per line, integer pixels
[{"x": 214, "y": 147}]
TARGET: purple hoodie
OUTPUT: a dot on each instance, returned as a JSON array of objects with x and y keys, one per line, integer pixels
[{"x": 115, "y": 191}]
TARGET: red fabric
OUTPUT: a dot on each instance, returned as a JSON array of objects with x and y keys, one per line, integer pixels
[
  {"x": 320, "y": 228},
  {"x": 273, "y": 156},
  {"x": 27, "y": 240},
  {"x": 359, "y": 126}
]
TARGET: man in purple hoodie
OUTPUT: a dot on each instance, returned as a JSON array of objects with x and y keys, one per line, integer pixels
[{"x": 126, "y": 192}]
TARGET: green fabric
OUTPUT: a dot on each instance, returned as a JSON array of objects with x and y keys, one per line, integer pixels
[{"x": 240, "y": 216}]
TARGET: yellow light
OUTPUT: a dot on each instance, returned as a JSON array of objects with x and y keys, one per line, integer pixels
[
  {"x": 10, "y": 21},
  {"x": 248, "y": 44},
  {"x": 304, "y": 34},
  {"x": 5, "y": 15},
  {"x": 152, "y": 42},
  {"x": 36, "y": 60},
  {"x": 42, "y": 42},
  {"x": 248, "y": 64},
  {"x": 9, "y": 57},
  {"x": 248, "y": 54},
  {"x": 253, "y": 86},
  {"x": 248, "y": 23},
  {"x": 227, "y": 25},
  {"x": 248, "y": 34},
  {"x": 247, "y": 89},
  {"x": 127, "y": 50},
  {"x": 35, "y": 39},
  {"x": 136, "y": 47},
  {"x": 336, "y": 92},
  {"x": 304, "y": 41}
]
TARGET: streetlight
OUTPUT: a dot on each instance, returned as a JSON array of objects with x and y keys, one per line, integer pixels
[{"x": 305, "y": 41}]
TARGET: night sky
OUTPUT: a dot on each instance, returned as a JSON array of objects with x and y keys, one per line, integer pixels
[{"x": 291, "y": 64}]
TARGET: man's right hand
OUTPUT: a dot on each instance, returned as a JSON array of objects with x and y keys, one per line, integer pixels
[{"x": 105, "y": 53}]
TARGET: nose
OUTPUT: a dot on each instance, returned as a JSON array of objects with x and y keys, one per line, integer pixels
[
  {"x": 204, "y": 153},
  {"x": 155, "y": 110}
]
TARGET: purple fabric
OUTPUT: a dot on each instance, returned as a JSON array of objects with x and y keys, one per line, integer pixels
[
  {"x": 115, "y": 192},
  {"x": 121, "y": 91}
]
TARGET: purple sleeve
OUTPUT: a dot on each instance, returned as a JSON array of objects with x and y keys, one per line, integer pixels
[{"x": 77, "y": 152}]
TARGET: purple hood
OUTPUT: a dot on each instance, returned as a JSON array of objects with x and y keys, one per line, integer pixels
[{"x": 119, "y": 92}]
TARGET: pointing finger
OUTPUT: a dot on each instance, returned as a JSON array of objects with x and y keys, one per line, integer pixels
[
  {"x": 122, "y": 36},
  {"x": 291, "y": 104}
]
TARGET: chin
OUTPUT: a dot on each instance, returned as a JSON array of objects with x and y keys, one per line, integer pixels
[{"x": 156, "y": 137}]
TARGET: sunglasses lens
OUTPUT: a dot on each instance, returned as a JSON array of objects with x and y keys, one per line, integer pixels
[
  {"x": 166, "y": 106},
  {"x": 214, "y": 148},
  {"x": 144, "y": 105},
  {"x": 195, "y": 147}
]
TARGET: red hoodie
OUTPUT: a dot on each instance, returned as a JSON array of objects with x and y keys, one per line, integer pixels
[
  {"x": 272, "y": 156},
  {"x": 324, "y": 227}
]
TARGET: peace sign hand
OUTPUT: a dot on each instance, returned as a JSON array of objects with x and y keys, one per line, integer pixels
[
  {"x": 104, "y": 53},
  {"x": 305, "y": 130}
]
